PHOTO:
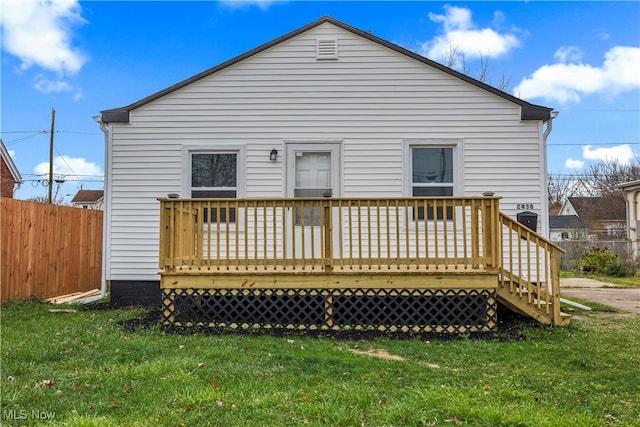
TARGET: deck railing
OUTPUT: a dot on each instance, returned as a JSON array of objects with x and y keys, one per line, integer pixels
[
  {"x": 530, "y": 269},
  {"x": 330, "y": 234}
]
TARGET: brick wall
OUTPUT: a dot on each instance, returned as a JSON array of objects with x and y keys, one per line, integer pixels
[{"x": 6, "y": 180}]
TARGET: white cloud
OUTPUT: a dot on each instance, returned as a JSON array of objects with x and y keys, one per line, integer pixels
[
  {"x": 568, "y": 54},
  {"x": 574, "y": 164},
  {"x": 70, "y": 168},
  {"x": 463, "y": 36},
  {"x": 567, "y": 82},
  {"x": 39, "y": 33},
  {"x": 78, "y": 95},
  {"x": 262, "y": 4},
  {"x": 621, "y": 154},
  {"x": 46, "y": 86},
  {"x": 12, "y": 154}
]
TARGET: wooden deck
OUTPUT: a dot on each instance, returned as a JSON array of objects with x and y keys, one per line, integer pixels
[{"x": 459, "y": 245}]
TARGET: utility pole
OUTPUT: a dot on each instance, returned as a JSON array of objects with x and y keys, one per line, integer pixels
[{"x": 53, "y": 121}]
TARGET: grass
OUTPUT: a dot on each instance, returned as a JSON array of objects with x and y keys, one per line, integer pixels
[
  {"x": 631, "y": 281},
  {"x": 83, "y": 369}
]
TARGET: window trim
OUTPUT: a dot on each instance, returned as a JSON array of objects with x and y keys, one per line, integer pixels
[
  {"x": 410, "y": 143},
  {"x": 188, "y": 150}
]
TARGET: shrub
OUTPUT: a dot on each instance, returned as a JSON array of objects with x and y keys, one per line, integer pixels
[{"x": 603, "y": 261}]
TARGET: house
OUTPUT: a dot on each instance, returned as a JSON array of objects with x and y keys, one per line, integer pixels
[
  {"x": 632, "y": 197},
  {"x": 89, "y": 199},
  {"x": 605, "y": 217},
  {"x": 286, "y": 159},
  {"x": 9, "y": 174},
  {"x": 566, "y": 227}
]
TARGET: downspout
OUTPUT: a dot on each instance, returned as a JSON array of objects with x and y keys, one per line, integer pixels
[
  {"x": 547, "y": 131},
  {"x": 103, "y": 281},
  {"x": 545, "y": 135}
]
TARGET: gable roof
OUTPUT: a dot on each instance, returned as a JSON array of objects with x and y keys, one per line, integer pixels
[
  {"x": 4, "y": 154},
  {"x": 527, "y": 111},
  {"x": 87, "y": 196},
  {"x": 611, "y": 208},
  {"x": 564, "y": 222}
]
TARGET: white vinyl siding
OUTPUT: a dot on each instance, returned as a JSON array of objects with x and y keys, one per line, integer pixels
[{"x": 371, "y": 98}]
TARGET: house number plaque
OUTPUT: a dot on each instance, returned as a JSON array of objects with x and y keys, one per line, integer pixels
[{"x": 525, "y": 206}]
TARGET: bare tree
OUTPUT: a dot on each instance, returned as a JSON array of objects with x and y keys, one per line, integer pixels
[
  {"x": 559, "y": 189},
  {"x": 602, "y": 179},
  {"x": 456, "y": 60},
  {"x": 483, "y": 73}
]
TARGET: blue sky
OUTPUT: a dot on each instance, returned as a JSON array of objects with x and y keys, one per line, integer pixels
[{"x": 581, "y": 58}]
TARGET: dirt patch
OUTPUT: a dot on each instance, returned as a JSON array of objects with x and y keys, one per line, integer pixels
[{"x": 379, "y": 353}]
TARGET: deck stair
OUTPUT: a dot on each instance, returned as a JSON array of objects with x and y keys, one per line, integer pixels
[
  {"x": 529, "y": 279},
  {"x": 527, "y": 302}
]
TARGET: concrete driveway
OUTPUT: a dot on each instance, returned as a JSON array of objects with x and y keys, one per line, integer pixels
[{"x": 627, "y": 299}]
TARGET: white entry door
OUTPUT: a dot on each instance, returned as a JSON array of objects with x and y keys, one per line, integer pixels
[{"x": 312, "y": 171}]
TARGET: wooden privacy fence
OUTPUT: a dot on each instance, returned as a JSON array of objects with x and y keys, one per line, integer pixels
[{"x": 48, "y": 250}]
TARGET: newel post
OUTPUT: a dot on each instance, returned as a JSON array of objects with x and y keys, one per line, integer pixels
[{"x": 490, "y": 230}]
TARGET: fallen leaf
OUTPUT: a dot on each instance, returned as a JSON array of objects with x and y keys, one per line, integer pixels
[
  {"x": 218, "y": 402},
  {"x": 214, "y": 382},
  {"x": 114, "y": 404},
  {"x": 180, "y": 346},
  {"x": 127, "y": 390},
  {"x": 47, "y": 383},
  {"x": 200, "y": 365},
  {"x": 234, "y": 406},
  {"x": 454, "y": 420}
]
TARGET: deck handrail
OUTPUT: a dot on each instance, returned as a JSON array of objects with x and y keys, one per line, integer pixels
[
  {"x": 325, "y": 234},
  {"x": 530, "y": 268}
]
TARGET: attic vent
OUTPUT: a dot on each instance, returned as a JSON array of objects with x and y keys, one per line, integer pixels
[{"x": 327, "y": 49}]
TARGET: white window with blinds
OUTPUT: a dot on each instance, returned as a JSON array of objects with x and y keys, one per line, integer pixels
[{"x": 431, "y": 169}]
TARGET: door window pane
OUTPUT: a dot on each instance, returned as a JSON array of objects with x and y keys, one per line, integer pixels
[{"x": 313, "y": 179}]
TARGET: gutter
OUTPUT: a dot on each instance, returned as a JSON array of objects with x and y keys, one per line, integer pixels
[{"x": 103, "y": 281}]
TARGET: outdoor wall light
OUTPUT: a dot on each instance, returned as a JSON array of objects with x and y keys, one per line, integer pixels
[{"x": 273, "y": 155}]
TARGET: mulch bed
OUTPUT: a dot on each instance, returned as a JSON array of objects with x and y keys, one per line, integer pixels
[{"x": 510, "y": 328}]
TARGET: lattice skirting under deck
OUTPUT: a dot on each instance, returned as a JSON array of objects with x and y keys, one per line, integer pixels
[{"x": 385, "y": 310}]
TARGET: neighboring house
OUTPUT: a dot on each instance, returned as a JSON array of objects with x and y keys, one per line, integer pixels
[
  {"x": 605, "y": 217},
  {"x": 326, "y": 110},
  {"x": 566, "y": 227},
  {"x": 89, "y": 199},
  {"x": 9, "y": 174},
  {"x": 632, "y": 196}
]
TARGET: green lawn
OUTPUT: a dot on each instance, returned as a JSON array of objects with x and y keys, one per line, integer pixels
[{"x": 84, "y": 369}]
